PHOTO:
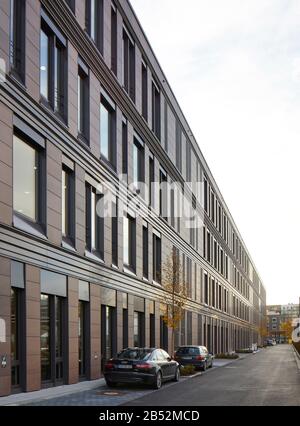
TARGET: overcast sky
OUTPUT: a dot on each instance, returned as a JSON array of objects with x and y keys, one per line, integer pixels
[{"x": 234, "y": 67}]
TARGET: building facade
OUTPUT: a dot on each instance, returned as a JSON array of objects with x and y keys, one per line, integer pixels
[
  {"x": 86, "y": 111},
  {"x": 277, "y": 316}
]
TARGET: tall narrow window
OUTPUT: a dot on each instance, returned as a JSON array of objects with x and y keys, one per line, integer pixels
[
  {"x": 17, "y": 38},
  {"x": 83, "y": 102},
  {"x": 129, "y": 64},
  {"x": 129, "y": 242},
  {"x": 17, "y": 332},
  {"x": 124, "y": 147},
  {"x": 163, "y": 194},
  {"x": 68, "y": 205},
  {"x": 157, "y": 258},
  {"x": 138, "y": 162},
  {"x": 206, "y": 288},
  {"x": 94, "y": 21},
  {"x": 145, "y": 252},
  {"x": 114, "y": 233},
  {"x": 82, "y": 338},
  {"x": 156, "y": 111},
  {"x": 114, "y": 39},
  {"x": 94, "y": 223},
  {"x": 108, "y": 130},
  {"x": 25, "y": 170},
  {"x": 178, "y": 146},
  {"x": 188, "y": 161},
  {"x": 53, "y": 68},
  {"x": 151, "y": 180},
  {"x": 144, "y": 91}
]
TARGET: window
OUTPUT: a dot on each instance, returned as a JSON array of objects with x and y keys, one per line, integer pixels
[
  {"x": 53, "y": 67},
  {"x": 163, "y": 194},
  {"x": 94, "y": 21},
  {"x": 53, "y": 323},
  {"x": 205, "y": 288},
  {"x": 83, "y": 101},
  {"x": 213, "y": 293},
  {"x": 108, "y": 332},
  {"x": 25, "y": 179},
  {"x": 145, "y": 252},
  {"x": 114, "y": 233},
  {"x": 156, "y": 110},
  {"x": 68, "y": 204},
  {"x": 94, "y": 222},
  {"x": 188, "y": 161},
  {"x": 138, "y": 162},
  {"x": 206, "y": 196},
  {"x": 17, "y": 333},
  {"x": 157, "y": 258},
  {"x": 166, "y": 126},
  {"x": 124, "y": 147},
  {"x": 178, "y": 146},
  {"x": 17, "y": 38},
  {"x": 82, "y": 338},
  {"x": 138, "y": 334},
  {"x": 114, "y": 39},
  {"x": 108, "y": 130},
  {"x": 151, "y": 180},
  {"x": 144, "y": 91},
  {"x": 129, "y": 242},
  {"x": 128, "y": 64},
  {"x": 71, "y": 4}
]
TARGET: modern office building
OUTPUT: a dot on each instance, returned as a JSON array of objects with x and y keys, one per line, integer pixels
[{"x": 86, "y": 111}]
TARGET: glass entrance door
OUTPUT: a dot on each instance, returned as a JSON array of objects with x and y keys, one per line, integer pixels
[{"x": 53, "y": 345}]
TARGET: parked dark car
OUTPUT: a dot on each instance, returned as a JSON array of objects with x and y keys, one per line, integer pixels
[
  {"x": 198, "y": 356},
  {"x": 141, "y": 365}
]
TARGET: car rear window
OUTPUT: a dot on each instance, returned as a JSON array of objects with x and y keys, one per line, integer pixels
[
  {"x": 138, "y": 354},
  {"x": 188, "y": 351}
]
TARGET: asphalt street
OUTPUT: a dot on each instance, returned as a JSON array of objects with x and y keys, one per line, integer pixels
[{"x": 268, "y": 378}]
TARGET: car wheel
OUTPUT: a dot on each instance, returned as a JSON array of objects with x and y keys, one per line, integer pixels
[
  {"x": 111, "y": 384},
  {"x": 158, "y": 381},
  {"x": 177, "y": 375}
]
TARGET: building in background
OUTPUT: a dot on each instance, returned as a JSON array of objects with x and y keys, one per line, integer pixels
[
  {"x": 85, "y": 103},
  {"x": 277, "y": 317}
]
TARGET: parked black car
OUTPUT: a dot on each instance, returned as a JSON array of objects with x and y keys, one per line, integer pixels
[
  {"x": 141, "y": 365},
  {"x": 198, "y": 356}
]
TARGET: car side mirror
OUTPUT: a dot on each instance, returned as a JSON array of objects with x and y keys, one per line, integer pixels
[{"x": 170, "y": 359}]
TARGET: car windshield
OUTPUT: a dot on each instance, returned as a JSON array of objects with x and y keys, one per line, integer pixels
[
  {"x": 137, "y": 354},
  {"x": 188, "y": 351}
]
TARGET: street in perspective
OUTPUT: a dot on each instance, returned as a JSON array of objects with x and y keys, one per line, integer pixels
[{"x": 142, "y": 263}]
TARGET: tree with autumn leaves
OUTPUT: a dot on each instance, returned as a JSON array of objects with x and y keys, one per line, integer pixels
[{"x": 175, "y": 293}]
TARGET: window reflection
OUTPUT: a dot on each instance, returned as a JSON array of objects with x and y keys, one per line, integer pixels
[
  {"x": 25, "y": 179},
  {"x": 44, "y": 66},
  {"x": 104, "y": 130}
]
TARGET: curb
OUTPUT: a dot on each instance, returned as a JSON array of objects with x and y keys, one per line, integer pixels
[{"x": 297, "y": 358}]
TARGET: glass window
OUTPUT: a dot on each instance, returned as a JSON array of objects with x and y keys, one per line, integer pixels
[
  {"x": 82, "y": 306},
  {"x": 104, "y": 131},
  {"x": 136, "y": 330},
  {"x": 156, "y": 258},
  {"x": 45, "y": 338},
  {"x": 83, "y": 103},
  {"x": 156, "y": 111},
  {"x": 129, "y": 240},
  {"x": 52, "y": 67},
  {"x": 94, "y": 18},
  {"x": 44, "y": 66},
  {"x": 129, "y": 65},
  {"x": 17, "y": 38},
  {"x": 94, "y": 222},
  {"x": 25, "y": 179},
  {"x": 16, "y": 336}
]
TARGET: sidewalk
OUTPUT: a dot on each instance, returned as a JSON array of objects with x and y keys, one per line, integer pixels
[{"x": 50, "y": 393}]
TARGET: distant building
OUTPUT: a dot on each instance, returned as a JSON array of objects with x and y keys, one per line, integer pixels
[{"x": 277, "y": 315}]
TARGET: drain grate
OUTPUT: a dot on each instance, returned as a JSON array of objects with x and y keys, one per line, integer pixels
[{"x": 109, "y": 393}]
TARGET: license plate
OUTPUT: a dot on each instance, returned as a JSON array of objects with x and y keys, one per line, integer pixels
[
  {"x": 186, "y": 357},
  {"x": 125, "y": 367}
]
